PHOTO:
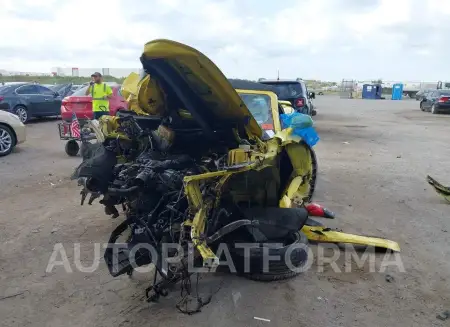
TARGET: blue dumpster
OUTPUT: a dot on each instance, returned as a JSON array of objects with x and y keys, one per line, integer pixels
[
  {"x": 372, "y": 91},
  {"x": 397, "y": 91}
]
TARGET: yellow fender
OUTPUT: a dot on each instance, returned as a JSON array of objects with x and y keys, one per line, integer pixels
[{"x": 326, "y": 235}]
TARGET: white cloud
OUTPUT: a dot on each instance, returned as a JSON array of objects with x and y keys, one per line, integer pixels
[{"x": 327, "y": 39}]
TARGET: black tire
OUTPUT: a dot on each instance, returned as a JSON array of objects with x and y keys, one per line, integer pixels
[
  {"x": 277, "y": 269},
  {"x": 8, "y": 134},
  {"x": 72, "y": 148},
  {"x": 433, "y": 110},
  {"x": 313, "y": 181},
  {"x": 421, "y": 106},
  {"x": 22, "y": 113}
]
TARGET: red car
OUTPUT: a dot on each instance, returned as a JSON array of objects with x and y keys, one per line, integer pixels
[{"x": 81, "y": 104}]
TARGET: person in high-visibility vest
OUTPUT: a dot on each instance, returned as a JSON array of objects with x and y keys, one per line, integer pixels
[{"x": 101, "y": 93}]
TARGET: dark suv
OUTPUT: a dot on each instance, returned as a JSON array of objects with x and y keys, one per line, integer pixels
[{"x": 294, "y": 91}]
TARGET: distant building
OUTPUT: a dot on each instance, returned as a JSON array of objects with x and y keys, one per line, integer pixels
[
  {"x": 4, "y": 72},
  {"x": 86, "y": 72}
]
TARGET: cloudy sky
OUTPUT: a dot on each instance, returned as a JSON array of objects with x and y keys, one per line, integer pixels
[{"x": 321, "y": 39}]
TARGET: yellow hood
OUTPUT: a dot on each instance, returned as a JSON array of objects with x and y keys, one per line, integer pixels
[{"x": 196, "y": 83}]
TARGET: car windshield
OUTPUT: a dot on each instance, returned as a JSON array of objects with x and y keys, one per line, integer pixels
[
  {"x": 5, "y": 88},
  {"x": 287, "y": 90},
  {"x": 259, "y": 106}
]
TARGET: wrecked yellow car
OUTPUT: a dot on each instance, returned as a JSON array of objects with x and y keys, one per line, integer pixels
[{"x": 194, "y": 165}]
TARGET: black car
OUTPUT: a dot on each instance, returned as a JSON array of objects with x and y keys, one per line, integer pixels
[
  {"x": 421, "y": 94},
  {"x": 294, "y": 91},
  {"x": 437, "y": 101},
  {"x": 63, "y": 90},
  {"x": 30, "y": 100}
]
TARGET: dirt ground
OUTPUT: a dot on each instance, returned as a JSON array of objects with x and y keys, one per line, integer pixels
[{"x": 373, "y": 159}]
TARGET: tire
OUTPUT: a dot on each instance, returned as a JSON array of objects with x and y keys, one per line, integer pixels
[
  {"x": 433, "y": 110},
  {"x": 7, "y": 140},
  {"x": 421, "y": 106},
  {"x": 72, "y": 148},
  {"x": 22, "y": 113},
  {"x": 313, "y": 181},
  {"x": 277, "y": 269}
]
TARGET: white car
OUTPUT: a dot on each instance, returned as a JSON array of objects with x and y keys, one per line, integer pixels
[{"x": 12, "y": 132}]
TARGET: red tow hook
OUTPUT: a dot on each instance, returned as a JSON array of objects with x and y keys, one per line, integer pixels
[{"x": 316, "y": 210}]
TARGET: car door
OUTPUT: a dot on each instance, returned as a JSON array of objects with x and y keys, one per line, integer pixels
[
  {"x": 51, "y": 101},
  {"x": 430, "y": 99},
  {"x": 30, "y": 97}
]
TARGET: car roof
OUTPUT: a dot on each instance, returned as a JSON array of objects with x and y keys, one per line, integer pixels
[
  {"x": 250, "y": 85},
  {"x": 281, "y": 81}
]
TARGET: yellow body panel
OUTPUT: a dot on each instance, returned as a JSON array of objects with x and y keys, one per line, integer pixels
[
  {"x": 130, "y": 85},
  {"x": 287, "y": 106},
  {"x": 197, "y": 69},
  {"x": 325, "y": 235}
]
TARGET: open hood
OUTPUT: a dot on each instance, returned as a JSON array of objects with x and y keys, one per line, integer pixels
[{"x": 191, "y": 81}]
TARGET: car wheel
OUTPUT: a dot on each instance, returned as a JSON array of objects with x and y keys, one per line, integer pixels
[
  {"x": 295, "y": 249},
  {"x": 22, "y": 113},
  {"x": 7, "y": 140},
  {"x": 315, "y": 168},
  {"x": 72, "y": 148},
  {"x": 433, "y": 110},
  {"x": 421, "y": 106}
]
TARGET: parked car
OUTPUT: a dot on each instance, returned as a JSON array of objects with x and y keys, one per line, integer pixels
[
  {"x": 29, "y": 100},
  {"x": 63, "y": 90},
  {"x": 436, "y": 101},
  {"x": 420, "y": 95},
  {"x": 294, "y": 91},
  {"x": 12, "y": 132},
  {"x": 75, "y": 87},
  {"x": 81, "y": 104}
]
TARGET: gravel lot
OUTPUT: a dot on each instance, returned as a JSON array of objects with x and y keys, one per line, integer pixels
[{"x": 373, "y": 158}]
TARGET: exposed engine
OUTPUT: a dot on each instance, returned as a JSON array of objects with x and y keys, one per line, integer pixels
[{"x": 149, "y": 187}]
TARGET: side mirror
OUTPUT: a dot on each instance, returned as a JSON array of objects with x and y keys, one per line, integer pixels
[
  {"x": 55, "y": 94},
  {"x": 312, "y": 95}
]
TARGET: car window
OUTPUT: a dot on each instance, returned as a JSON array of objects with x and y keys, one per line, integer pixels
[
  {"x": 287, "y": 90},
  {"x": 27, "y": 89},
  {"x": 259, "y": 106},
  {"x": 80, "y": 92},
  {"x": 6, "y": 89},
  {"x": 44, "y": 90}
]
